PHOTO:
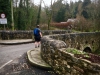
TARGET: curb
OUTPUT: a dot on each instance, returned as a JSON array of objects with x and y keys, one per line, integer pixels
[
  {"x": 16, "y": 43},
  {"x": 34, "y": 63}
]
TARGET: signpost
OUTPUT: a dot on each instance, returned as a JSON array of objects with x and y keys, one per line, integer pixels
[
  {"x": 2, "y": 15},
  {"x": 3, "y": 20}
]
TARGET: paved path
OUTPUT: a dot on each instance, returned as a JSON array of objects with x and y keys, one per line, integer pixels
[
  {"x": 11, "y": 52},
  {"x": 21, "y": 66},
  {"x": 15, "y": 61}
]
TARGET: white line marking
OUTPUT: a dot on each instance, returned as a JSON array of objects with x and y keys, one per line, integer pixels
[{"x": 6, "y": 64}]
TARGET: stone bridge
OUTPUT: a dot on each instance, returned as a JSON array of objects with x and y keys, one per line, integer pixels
[
  {"x": 53, "y": 50},
  {"x": 79, "y": 41}
]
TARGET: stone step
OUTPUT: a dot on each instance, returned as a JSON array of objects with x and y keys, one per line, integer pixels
[{"x": 34, "y": 57}]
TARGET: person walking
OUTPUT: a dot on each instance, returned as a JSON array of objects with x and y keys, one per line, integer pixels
[{"x": 37, "y": 36}]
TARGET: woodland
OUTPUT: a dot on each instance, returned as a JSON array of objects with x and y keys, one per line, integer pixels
[{"x": 25, "y": 14}]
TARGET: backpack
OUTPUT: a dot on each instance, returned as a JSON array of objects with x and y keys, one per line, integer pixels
[{"x": 36, "y": 32}]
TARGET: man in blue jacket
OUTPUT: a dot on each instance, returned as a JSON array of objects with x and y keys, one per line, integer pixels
[{"x": 37, "y": 36}]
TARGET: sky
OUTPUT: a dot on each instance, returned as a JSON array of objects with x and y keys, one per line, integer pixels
[{"x": 48, "y": 2}]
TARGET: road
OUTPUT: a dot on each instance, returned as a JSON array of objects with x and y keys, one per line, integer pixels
[
  {"x": 13, "y": 61},
  {"x": 11, "y": 52}
]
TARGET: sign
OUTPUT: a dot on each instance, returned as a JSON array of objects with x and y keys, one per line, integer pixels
[
  {"x": 3, "y": 20},
  {"x": 2, "y": 15}
]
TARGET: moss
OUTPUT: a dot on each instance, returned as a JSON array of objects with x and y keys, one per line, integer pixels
[
  {"x": 74, "y": 51},
  {"x": 78, "y": 53}
]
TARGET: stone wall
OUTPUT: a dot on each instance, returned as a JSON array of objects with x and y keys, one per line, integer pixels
[
  {"x": 7, "y": 35},
  {"x": 80, "y": 40},
  {"x": 53, "y": 51}
]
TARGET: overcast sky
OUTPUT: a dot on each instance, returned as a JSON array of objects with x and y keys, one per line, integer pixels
[{"x": 47, "y": 2}]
